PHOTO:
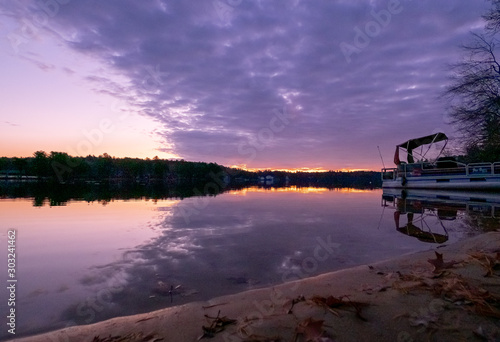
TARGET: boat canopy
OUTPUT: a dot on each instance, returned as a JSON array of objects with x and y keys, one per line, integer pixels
[{"x": 412, "y": 144}]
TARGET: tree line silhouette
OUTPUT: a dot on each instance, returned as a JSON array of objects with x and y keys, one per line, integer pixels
[{"x": 62, "y": 168}]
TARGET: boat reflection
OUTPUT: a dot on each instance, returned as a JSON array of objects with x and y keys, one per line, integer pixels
[{"x": 427, "y": 211}]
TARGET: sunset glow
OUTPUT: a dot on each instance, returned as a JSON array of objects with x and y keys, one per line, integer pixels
[
  {"x": 293, "y": 188},
  {"x": 300, "y": 169}
]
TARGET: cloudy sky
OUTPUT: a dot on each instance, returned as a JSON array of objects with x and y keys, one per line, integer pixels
[{"x": 262, "y": 83}]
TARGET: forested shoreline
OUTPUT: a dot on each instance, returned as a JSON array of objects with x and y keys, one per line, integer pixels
[{"x": 59, "y": 167}]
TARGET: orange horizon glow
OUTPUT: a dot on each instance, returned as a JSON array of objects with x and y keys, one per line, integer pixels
[
  {"x": 294, "y": 170},
  {"x": 352, "y": 190},
  {"x": 294, "y": 189}
]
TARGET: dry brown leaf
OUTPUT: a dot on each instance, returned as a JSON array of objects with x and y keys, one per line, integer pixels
[
  {"x": 456, "y": 289},
  {"x": 488, "y": 262},
  {"x": 292, "y": 303},
  {"x": 439, "y": 263}
]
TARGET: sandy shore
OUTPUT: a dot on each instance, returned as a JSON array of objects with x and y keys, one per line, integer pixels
[{"x": 416, "y": 297}]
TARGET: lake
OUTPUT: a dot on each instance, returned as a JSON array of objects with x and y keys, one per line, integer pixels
[{"x": 86, "y": 261}]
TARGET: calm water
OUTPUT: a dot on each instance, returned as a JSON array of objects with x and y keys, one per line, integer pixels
[{"x": 88, "y": 261}]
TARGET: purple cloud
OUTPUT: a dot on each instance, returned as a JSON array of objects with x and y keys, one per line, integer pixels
[{"x": 215, "y": 73}]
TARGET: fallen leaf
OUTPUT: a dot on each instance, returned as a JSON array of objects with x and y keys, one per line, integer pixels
[
  {"x": 439, "y": 263},
  {"x": 293, "y": 302},
  {"x": 457, "y": 289},
  {"x": 490, "y": 263}
]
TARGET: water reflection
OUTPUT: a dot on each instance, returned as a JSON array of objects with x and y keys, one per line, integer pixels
[
  {"x": 85, "y": 262},
  {"x": 427, "y": 212}
]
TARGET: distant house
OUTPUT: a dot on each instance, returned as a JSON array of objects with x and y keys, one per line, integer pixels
[
  {"x": 267, "y": 180},
  {"x": 9, "y": 174}
]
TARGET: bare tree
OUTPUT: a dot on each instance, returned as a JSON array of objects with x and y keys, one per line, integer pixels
[
  {"x": 492, "y": 17},
  {"x": 475, "y": 90}
]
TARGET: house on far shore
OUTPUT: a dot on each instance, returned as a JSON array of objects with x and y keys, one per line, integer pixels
[
  {"x": 15, "y": 175},
  {"x": 267, "y": 180},
  {"x": 9, "y": 174}
]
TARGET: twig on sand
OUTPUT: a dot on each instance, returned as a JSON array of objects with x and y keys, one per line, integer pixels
[
  {"x": 218, "y": 324},
  {"x": 213, "y": 305}
]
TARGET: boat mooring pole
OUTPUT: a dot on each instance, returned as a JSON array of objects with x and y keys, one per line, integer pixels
[{"x": 381, "y": 156}]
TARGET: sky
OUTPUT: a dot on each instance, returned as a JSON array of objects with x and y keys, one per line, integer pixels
[{"x": 296, "y": 84}]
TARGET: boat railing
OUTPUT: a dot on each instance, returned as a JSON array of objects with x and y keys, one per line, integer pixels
[
  {"x": 445, "y": 167},
  {"x": 496, "y": 168},
  {"x": 483, "y": 168},
  {"x": 389, "y": 173}
]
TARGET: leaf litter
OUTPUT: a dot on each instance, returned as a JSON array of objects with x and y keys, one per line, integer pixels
[
  {"x": 217, "y": 325},
  {"x": 332, "y": 303},
  {"x": 455, "y": 289},
  {"x": 133, "y": 337},
  {"x": 488, "y": 262},
  {"x": 441, "y": 283}
]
